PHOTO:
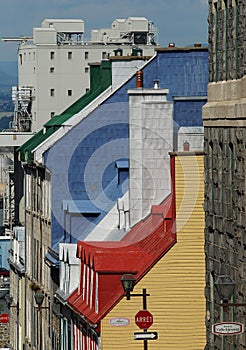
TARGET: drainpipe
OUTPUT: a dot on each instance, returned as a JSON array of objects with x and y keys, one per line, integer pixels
[{"x": 25, "y": 285}]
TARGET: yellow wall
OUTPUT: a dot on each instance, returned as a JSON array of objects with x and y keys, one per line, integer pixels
[{"x": 176, "y": 283}]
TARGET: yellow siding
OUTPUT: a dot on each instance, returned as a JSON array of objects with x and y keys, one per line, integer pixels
[{"x": 176, "y": 283}]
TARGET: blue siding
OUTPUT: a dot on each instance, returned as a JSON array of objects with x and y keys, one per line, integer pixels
[
  {"x": 188, "y": 113},
  {"x": 184, "y": 74},
  {"x": 82, "y": 163}
]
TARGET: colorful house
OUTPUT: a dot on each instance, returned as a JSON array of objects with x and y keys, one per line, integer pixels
[
  {"x": 166, "y": 256},
  {"x": 76, "y": 169}
]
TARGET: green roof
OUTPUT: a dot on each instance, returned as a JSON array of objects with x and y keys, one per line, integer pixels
[{"x": 100, "y": 80}]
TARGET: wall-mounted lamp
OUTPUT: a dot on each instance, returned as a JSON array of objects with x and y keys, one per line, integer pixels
[
  {"x": 9, "y": 300},
  {"x": 128, "y": 283},
  {"x": 225, "y": 286},
  {"x": 39, "y": 298}
]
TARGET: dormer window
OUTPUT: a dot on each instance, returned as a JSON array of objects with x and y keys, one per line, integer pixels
[{"x": 123, "y": 170}]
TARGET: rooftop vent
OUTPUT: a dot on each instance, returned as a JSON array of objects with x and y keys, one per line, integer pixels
[{"x": 156, "y": 83}]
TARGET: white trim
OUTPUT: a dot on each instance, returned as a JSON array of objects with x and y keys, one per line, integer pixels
[
  {"x": 91, "y": 287},
  {"x": 83, "y": 287},
  {"x": 96, "y": 295},
  {"x": 87, "y": 284}
]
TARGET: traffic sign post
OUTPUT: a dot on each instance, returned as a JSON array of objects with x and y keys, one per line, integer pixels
[{"x": 143, "y": 319}]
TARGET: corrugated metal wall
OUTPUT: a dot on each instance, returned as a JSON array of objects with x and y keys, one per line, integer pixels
[{"x": 176, "y": 283}]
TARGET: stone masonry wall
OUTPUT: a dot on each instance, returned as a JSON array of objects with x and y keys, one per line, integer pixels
[
  {"x": 225, "y": 232},
  {"x": 4, "y": 335},
  {"x": 227, "y": 30}
]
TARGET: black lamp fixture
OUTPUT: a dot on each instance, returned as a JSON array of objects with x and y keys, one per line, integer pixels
[
  {"x": 39, "y": 297},
  {"x": 225, "y": 287},
  {"x": 128, "y": 283},
  {"x": 9, "y": 301}
]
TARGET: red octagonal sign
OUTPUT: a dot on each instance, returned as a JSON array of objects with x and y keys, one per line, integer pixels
[
  {"x": 4, "y": 318},
  {"x": 144, "y": 319}
]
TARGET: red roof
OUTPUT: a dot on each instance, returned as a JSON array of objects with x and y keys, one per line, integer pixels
[{"x": 104, "y": 263}]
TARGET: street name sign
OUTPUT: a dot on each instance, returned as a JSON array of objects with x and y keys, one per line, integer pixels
[
  {"x": 145, "y": 336},
  {"x": 144, "y": 319},
  {"x": 119, "y": 321},
  {"x": 227, "y": 328}
]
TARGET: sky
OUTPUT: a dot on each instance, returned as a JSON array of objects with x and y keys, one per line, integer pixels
[{"x": 183, "y": 22}]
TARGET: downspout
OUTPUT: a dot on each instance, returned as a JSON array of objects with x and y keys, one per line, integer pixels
[
  {"x": 50, "y": 310},
  {"x": 25, "y": 286},
  {"x": 32, "y": 265}
]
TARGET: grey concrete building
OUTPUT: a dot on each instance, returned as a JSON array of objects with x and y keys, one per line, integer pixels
[
  {"x": 54, "y": 63},
  {"x": 224, "y": 118}
]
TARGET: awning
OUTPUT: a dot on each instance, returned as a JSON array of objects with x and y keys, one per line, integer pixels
[
  {"x": 80, "y": 206},
  {"x": 122, "y": 164}
]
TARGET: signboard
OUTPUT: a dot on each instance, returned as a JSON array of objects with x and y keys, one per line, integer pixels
[
  {"x": 4, "y": 318},
  {"x": 144, "y": 319},
  {"x": 146, "y": 336},
  {"x": 119, "y": 321},
  {"x": 227, "y": 328}
]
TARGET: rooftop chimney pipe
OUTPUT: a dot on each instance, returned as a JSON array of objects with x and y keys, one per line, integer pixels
[{"x": 139, "y": 79}]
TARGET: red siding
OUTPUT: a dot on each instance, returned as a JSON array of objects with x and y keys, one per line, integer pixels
[{"x": 136, "y": 253}]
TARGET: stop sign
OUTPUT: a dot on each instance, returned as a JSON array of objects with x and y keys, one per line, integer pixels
[
  {"x": 143, "y": 319},
  {"x": 4, "y": 318}
]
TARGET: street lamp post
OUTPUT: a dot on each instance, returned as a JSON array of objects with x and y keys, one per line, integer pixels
[
  {"x": 39, "y": 298},
  {"x": 128, "y": 283}
]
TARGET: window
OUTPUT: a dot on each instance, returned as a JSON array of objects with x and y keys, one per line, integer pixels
[
  {"x": 52, "y": 114},
  {"x": 86, "y": 69},
  {"x": 86, "y": 55},
  {"x": 52, "y": 70},
  {"x": 69, "y": 55},
  {"x": 69, "y": 92},
  {"x": 52, "y": 92},
  {"x": 104, "y": 55},
  {"x": 20, "y": 58},
  {"x": 52, "y": 55},
  {"x": 47, "y": 193},
  {"x": 28, "y": 190}
]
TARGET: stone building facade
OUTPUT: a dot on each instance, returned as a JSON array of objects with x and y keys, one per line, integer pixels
[
  {"x": 4, "y": 335},
  {"x": 224, "y": 118}
]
